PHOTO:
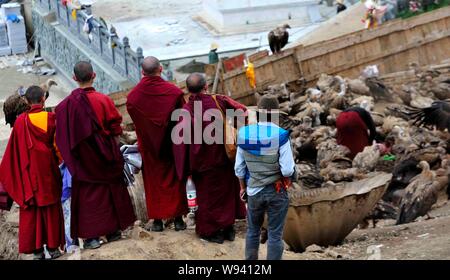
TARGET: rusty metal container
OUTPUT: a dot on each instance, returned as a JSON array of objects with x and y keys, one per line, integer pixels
[{"x": 326, "y": 216}]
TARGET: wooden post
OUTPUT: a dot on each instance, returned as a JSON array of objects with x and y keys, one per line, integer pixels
[{"x": 217, "y": 77}]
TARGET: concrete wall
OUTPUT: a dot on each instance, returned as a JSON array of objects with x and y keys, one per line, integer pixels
[
  {"x": 62, "y": 49},
  {"x": 229, "y": 13}
]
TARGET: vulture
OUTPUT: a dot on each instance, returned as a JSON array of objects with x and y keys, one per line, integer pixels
[
  {"x": 437, "y": 115},
  {"x": 367, "y": 159},
  {"x": 16, "y": 103},
  {"x": 420, "y": 195},
  {"x": 278, "y": 38}
]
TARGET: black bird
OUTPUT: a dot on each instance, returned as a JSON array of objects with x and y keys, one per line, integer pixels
[
  {"x": 438, "y": 115},
  {"x": 278, "y": 38}
]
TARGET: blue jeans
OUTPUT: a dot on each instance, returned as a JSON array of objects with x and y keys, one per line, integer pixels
[{"x": 276, "y": 205}]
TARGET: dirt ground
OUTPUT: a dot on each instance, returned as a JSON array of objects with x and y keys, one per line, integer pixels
[{"x": 421, "y": 240}]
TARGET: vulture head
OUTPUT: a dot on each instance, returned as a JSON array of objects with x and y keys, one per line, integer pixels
[{"x": 426, "y": 171}]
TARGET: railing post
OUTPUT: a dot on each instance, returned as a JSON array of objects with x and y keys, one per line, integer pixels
[
  {"x": 126, "y": 46},
  {"x": 140, "y": 58},
  {"x": 113, "y": 38}
]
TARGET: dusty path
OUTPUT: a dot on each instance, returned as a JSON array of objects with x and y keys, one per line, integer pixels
[{"x": 424, "y": 240}]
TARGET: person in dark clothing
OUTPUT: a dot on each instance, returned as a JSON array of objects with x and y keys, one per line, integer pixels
[
  {"x": 340, "y": 6},
  {"x": 355, "y": 129}
]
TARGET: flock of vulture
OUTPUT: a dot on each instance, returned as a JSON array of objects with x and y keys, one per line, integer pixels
[{"x": 412, "y": 142}]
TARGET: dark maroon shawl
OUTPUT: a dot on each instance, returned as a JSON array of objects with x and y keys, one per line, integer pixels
[{"x": 90, "y": 154}]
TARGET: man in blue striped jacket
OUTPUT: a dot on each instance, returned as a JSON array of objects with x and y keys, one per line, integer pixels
[{"x": 265, "y": 166}]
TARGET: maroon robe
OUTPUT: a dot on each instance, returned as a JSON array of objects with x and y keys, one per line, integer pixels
[
  {"x": 88, "y": 123},
  {"x": 352, "y": 132},
  {"x": 219, "y": 204},
  {"x": 150, "y": 105},
  {"x": 30, "y": 175}
]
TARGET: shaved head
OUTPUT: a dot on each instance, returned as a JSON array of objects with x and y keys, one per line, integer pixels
[
  {"x": 151, "y": 66},
  {"x": 196, "y": 82},
  {"x": 83, "y": 72},
  {"x": 34, "y": 95}
]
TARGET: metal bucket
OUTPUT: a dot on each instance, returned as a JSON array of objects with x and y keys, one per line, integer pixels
[{"x": 326, "y": 216}]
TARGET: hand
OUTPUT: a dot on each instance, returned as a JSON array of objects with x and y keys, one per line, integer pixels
[{"x": 243, "y": 195}]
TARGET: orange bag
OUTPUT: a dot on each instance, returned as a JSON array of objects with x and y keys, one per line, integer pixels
[{"x": 230, "y": 134}]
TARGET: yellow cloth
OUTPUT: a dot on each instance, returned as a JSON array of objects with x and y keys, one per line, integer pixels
[
  {"x": 39, "y": 120},
  {"x": 250, "y": 73},
  {"x": 74, "y": 14}
]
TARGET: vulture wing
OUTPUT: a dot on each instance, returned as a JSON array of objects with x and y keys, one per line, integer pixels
[
  {"x": 13, "y": 107},
  {"x": 438, "y": 115},
  {"x": 284, "y": 40},
  {"x": 419, "y": 198},
  {"x": 273, "y": 41},
  {"x": 377, "y": 88}
]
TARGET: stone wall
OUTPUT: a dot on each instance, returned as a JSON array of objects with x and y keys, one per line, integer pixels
[{"x": 63, "y": 50}]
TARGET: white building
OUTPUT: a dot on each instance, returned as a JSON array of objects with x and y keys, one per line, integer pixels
[{"x": 241, "y": 16}]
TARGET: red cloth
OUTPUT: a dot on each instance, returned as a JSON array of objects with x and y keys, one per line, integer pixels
[
  {"x": 150, "y": 105},
  {"x": 30, "y": 175},
  {"x": 352, "y": 132},
  {"x": 39, "y": 226},
  {"x": 87, "y": 125},
  {"x": 99, "y": 209},
  {"x": 212, "y": 172},
  {"x": 29, "y": 170},
  {"x": 5, "y": 200}
]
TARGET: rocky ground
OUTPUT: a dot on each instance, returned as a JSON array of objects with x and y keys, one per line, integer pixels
[{"x": 423, "y": 240}]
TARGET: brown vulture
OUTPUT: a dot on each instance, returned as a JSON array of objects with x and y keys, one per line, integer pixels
[
  {"x": 437, "y": 115},
  {"x": 278, "y": 38},
  {"x": 421, "y": 194},
  {"x": 16, "y": 103}
]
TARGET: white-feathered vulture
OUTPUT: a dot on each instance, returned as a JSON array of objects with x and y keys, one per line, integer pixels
[
  {"x": 16, "y": 104},
  {"x": 278, "y": 38},
  {"x": 438, "y": 115}
]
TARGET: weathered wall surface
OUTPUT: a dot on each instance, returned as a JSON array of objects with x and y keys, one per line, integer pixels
[{"x": 64, "y": 50}]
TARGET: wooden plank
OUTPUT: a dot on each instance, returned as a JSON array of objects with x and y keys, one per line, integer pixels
[{"x": 257, "y": 56}]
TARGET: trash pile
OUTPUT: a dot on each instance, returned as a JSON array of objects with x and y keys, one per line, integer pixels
[{"x": 416, "y": 155}]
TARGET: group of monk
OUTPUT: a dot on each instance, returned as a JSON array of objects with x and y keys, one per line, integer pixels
[{"x": 83, "y": 133}]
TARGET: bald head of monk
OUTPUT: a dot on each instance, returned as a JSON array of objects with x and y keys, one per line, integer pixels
[
  {"x": 83, "y": 74},
  {"x": 196, "y": 83},
  {"x": 151, "y": 66}
]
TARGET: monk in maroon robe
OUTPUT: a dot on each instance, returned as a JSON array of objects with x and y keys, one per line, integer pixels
[
  {"x": 219, "y": 203},
  {"x": 150, "y": 105},
  {"x": 87, "y": 138},
  {"x": 355, "y": 130},
  {"x": 30, "y": 175}
]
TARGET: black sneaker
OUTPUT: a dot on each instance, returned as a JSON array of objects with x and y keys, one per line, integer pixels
[
  {"x": 54, "y": 254},
  {"x": 180, "y": 224},
  {"x": 229, "y": 233},
  {"x": 114, "y": 236},
  {"x": 157, "y": 226},
  {"x": 92, "y": 243},
  {"x": 216, "y": 238}
]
